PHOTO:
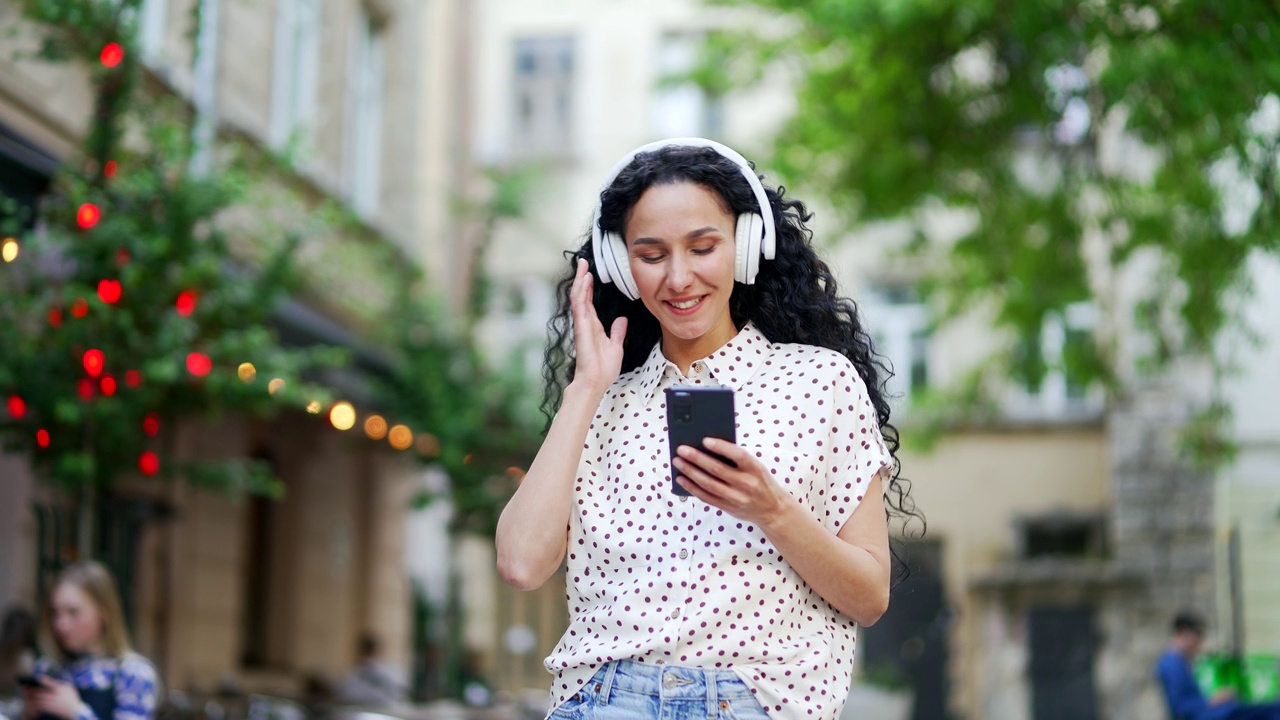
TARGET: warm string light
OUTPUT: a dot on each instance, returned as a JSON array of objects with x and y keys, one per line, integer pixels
[
  {"x": 9, "y": 250},
  {"x": 342, "y": 415},
  {"x": 247, "y": 372},
  {"x": 400, "y": 437}
]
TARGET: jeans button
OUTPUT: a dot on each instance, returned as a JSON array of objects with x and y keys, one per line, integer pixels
[{"x": 669, "y": 681}]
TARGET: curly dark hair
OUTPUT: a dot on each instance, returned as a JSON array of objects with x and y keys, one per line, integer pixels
[{"x": 794, "y": 298}]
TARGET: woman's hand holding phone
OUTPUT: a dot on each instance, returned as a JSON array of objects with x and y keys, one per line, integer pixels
[
  {"x": 52, "y": 697},
  {"x": 598, "y": 356},
  {"x": 748, "y": 492}
]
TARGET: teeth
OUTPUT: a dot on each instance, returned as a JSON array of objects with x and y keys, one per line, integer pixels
[{"x": 687, "y": 304}]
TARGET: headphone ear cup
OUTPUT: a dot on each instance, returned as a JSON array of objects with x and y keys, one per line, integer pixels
[
  {"x": 615, "y": 249},
  {"x": 747, "y": 238}
]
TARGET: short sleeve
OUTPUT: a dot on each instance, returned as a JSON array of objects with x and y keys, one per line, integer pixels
[
  {"x": 137, "y": 689},
  {"x": 857, "y": 450}
]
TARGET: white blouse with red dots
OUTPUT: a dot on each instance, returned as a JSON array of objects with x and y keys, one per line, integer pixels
[{"x": 658, "y": 578}]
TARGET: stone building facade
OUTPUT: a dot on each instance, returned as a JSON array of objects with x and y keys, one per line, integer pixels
[{"x": 235, "y": 590}]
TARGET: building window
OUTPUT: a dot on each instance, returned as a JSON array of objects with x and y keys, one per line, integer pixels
[
  {"x": 364, "y": 138},
  {"x": 900, "y": 331},
  {"x": 1065, "y": 346},
  {"x": 1062, "y": 536},
  {"x": 296, "y": 70},
  {"x": 543, "y": 122},
  {"x": 682, "y": 108}
]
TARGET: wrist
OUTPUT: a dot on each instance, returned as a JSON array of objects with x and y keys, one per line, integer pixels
[
  {"x": 579, "y": 389},
  {"x": 785, "y": 514}
]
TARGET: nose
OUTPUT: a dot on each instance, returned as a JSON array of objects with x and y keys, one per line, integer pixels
[{"x": 679, "y": 273}]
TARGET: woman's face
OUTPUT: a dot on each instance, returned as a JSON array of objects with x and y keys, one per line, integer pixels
[
  {"x": 77, "y": 623},
  {"x": 680, "y": 240}
]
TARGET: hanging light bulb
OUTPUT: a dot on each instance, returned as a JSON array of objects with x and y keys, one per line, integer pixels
[
  {"x": 342, "y": 415},
  {"x": 9, "y": 250}
]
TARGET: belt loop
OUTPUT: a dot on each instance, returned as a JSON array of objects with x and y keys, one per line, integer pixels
[
  {"x": 712, "y": 679},
  {"x": 607, "y": 685}
]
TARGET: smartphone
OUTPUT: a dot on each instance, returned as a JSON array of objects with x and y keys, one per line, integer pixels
[
  {"x": 696, "y": 413},
  {"x": 31, "y": 681}
]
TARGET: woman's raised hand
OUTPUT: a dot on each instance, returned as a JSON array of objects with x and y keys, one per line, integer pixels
[{"x": 598, "y": 356}]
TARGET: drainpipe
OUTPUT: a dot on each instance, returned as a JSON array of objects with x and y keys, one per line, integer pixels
[{"x": 204, "y": 95}]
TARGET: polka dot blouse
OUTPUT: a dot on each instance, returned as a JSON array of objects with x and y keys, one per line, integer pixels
[{"x": 657, "y": 578}]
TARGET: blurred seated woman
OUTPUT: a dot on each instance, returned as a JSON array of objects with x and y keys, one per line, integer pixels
[{"x": 90, "y": 671}]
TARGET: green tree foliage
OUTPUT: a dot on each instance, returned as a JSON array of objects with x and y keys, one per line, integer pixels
[
  {"x": 125, "y": 310},
  {"x": 1147, "y": 128}
]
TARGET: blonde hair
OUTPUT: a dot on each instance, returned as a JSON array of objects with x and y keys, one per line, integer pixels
[{"x": 97, "y": 583}]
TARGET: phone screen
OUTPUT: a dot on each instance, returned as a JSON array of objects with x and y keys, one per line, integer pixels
[{"x": 694, "y": 414}]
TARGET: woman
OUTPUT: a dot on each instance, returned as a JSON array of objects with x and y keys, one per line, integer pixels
[
  {"x": 743, "y": 599},
  {"x": 91, "y": 674}
]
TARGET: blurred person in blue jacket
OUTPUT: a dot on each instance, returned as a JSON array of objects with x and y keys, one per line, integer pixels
[
  {"x": 1185, "y": 699},
  {"x": 90, "y": 671}
]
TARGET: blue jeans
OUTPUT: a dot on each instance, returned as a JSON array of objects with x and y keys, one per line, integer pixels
[{"x": 625, "y": 690}]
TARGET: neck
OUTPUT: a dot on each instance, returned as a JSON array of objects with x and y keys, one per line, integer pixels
[{"x": 683, "y": 352}]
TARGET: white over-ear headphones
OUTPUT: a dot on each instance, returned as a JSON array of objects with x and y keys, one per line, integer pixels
[{"x": 753, "y": 237}]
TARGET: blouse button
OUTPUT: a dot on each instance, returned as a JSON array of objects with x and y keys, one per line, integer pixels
[
  {"x": 697, "y": 367},
  {"x": 675, "y": 613},
  {"x": 684, "y": 554},
  {"x": 684, "y": 498}
]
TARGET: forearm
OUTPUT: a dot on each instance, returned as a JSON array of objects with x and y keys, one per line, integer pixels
[
  {"x": 533, "y": 527},
  {"x": 853, "y": 578}
]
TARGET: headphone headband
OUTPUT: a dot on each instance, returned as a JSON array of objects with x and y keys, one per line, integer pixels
[{"x": 609, "y": 265}]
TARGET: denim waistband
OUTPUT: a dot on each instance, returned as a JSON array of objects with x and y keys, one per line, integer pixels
[{"x": 671, "y": 682}]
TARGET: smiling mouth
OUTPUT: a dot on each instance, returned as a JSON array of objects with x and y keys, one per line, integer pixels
[{"x": 686, "y": 304}]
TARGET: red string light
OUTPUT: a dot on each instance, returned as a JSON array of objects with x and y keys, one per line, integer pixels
[
  {"x": 79, "y": 308},
  {"x": 88, "y": 215},
  {"x": 84, "y": 388},
  {"x": 55, "y": 317},
  {"x": 42, "y": 438},
  {"x": 148, "y": 463},
  {"x": 186, "y": 303},
  {"x": 199, "y": 364},
  {"x": 112, "y": 54},
  {"x": 132, "y": 378},
  {"x": 108, "y": 385},
  {"x": 94, "y": 361},
  {"x": 17, "y": 407},
  {"x": 151, "y": 425},
  {"x": 109, "y": 291},
  {"x": 109, "y": 170}
]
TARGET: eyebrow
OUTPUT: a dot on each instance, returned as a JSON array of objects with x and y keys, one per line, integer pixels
[{"x": 690, "y": 236}]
